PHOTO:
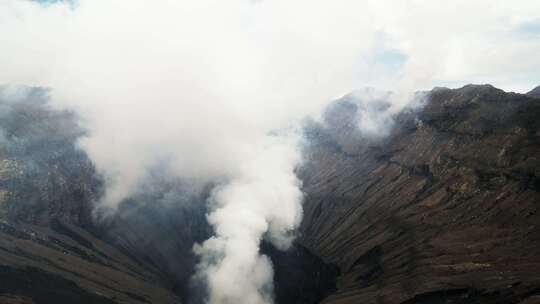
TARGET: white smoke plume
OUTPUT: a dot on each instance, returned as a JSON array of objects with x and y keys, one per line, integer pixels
[
  {"x": 241, "y": 275},
  {"x": 202, "y": 84}
]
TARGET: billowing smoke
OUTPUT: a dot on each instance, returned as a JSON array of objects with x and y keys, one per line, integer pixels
[
  {"x": 212, "y": 90},
  {"x": 264, "y": 199}
]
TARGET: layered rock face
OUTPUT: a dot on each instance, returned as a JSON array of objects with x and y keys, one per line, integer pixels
[
  {"x": 441, "y": 206},
  {"x": 444, "y": 210}
]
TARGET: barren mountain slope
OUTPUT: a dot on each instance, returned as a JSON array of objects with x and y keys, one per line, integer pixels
[{"x": 445, "y": 210}]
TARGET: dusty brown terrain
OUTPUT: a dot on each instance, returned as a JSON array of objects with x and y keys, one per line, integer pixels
[
  {"x": 446, "y": 210},
  {"x": 65, "y": 264}
]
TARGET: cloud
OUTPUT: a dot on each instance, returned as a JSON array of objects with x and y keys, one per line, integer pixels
[
  {"x": 177, "y": 80},
  {"x": 460, "y": 42}
]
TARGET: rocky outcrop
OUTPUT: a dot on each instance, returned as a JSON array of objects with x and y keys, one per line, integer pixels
[
  {"x": 43, "y": 175},
  {"x": 444, "y": 210},
  {"x": 534, "y": 92}
]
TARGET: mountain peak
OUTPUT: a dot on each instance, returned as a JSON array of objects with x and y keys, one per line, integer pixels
[{"x": 534, "y": 92}]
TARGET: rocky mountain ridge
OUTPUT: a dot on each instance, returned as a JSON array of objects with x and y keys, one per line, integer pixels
[
  {"x": 444, "y": 210},
  {"x": 534, "y": 92}
]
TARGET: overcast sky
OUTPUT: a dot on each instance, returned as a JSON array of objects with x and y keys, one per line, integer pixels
[{"x": 447, "y": 43}]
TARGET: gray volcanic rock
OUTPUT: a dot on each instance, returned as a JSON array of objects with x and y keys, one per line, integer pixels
[
  {"x": 43, "y": 174},
  {"x": 48, "y": 252},
  {"x": 445, "y": 210},
  {"x": 534, "y": 92}
]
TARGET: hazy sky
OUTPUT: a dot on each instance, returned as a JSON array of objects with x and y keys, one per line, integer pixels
[{"x": 459, "y": 42}]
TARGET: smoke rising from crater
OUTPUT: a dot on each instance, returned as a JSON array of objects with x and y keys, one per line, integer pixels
[{"x": 213, "y": 89}]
